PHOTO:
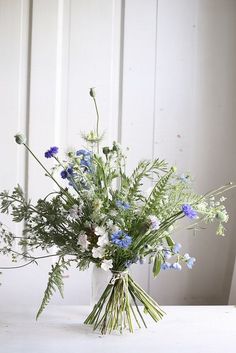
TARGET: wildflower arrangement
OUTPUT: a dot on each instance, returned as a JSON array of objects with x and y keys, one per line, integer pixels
[{"x": 98, "y": 214}]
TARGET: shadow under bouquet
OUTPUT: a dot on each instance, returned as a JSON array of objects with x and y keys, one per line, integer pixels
[{"x": 101, "y": 215}]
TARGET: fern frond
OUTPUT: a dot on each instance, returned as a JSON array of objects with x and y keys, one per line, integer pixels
[
  {"x": 55, "y": 280},
  {"x": 158, "y": 192}
]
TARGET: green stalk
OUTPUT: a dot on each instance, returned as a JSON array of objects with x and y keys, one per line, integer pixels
[{"x": 48, "y": 173}]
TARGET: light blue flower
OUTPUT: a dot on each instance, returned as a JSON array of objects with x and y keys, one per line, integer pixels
[
  {"x": 121, "y": 239},
  {"x": 165, "y": 266},
  {"x": 122, "y": 204},
  {"x": 167, "y": 254},
  {"x": 189, "y": 211},
  {"x": 176, "y": 248},
  {"x": 191, "y": 262},
  {"x": 176, "y": 266}
]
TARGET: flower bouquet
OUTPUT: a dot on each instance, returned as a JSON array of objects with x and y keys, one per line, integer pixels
[{"x": 98, "y": 214}]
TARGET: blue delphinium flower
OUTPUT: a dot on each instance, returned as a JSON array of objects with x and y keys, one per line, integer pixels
[
  {"x": 191, "y": 262},
  {"x": 85, "y": 158},
  {"x": 176, "y": 266},
  {"x": 189, "y": 211},
  {"x": 165, "y": 266},
  {"x": 122, "y": 204},
  {"x": 176, "y": 248},
  {"x": 51, "y": 152},
  {"x": 123, "y": 240}
]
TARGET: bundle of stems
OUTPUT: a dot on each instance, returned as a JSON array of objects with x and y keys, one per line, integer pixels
[{"x": 121, "y": 301}]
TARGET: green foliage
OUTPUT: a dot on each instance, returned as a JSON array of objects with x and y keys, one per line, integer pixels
[{"x": 55, "y": 281}]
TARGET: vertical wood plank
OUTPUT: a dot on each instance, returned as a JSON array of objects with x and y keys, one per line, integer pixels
[{"x": 138, "y": 90}]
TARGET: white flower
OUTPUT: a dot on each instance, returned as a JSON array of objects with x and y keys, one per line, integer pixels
[
  {"x": 83, "y": 242},
  {"x": 103, "y": 240},
  {"x": 154, "y": 222},
  {"x": 98, "y": 252},
  {"x": 106, "y": 265},
  {"x": 99, "y": 230},
  {"x": 97, "y": 204},
  {"x": 109, "y": 223},
  {"x": 75, "y": 212},
  {"x": 113, "y": 213}
]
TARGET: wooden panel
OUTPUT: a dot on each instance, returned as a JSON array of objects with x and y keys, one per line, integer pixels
[
  {"x": 137, "y": 108},
  {"x": 196, "y": 82},
  {"x": 14, "y": 42}
]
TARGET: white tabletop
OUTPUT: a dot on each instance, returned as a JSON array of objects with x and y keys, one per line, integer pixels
[{"x": 200, "y": 329}]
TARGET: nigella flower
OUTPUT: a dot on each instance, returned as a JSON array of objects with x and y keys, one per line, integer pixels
[
  {"x": 189, "y": 211},
  {"x": 51, "y": 152},
  {"x": 122, "y": 204},
  {"x": 121, "y": 239}
]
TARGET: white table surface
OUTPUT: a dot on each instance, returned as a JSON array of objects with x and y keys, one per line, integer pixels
[{"x": 200, "y": 329}]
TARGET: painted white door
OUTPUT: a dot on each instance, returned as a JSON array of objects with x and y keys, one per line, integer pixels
[{"x": 165, "y": 77}]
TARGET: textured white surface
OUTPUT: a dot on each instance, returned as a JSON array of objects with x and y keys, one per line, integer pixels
[{"x": 192, "y": 329}]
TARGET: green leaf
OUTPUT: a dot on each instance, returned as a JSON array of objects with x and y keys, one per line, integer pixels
[
  {"x": 55, "y": 280},
  {"x": 156, "y": 266},
  {"x": 169, "y": 241}
]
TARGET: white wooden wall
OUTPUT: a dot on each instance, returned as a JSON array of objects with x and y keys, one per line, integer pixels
[{"x": 166, "y": 79}]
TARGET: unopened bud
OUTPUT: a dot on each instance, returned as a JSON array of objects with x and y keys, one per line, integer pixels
[
  {"x": 92, "y": 92},
  {"x": 20, "y": 139}
]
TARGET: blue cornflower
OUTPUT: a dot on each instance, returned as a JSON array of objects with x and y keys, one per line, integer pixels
[
  {"x": 66, "y": 173},
  {"x": 189, "y": 211},
  {"x": 165, "y": 266},
  {"x": 123, "y": 240},
  {"x": 122, "y": 204},
  {"x": 176, "y": 248},
  {"x": 51, "y": 152},
  {"x": 191, "y": 262},
  {"x": 176, "y": 266}
]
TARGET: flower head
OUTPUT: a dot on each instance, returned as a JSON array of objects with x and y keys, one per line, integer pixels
[
  {"x": 121, "y": 239},
  {"x": 189, "y": 211},
  {"x": 165, "y": 266},
  {"x": 154, "y": 222},
  {"x": 122, "y": 204},
  {"x": 191, "y": 262},
  {"x": 167, "y": 254},
  {"x": 98, "y": 252},
  {"x": 83, "y": 242},
  {"x": 103, "y": 240},
  {"x": 176, "y": 248},
  {"x": 85, "y": 160},
  {"x": 66, "y": 173},
  {"x": 176, "y": 266},
  {"x": 106, "y": 265},
  {"x": 51, "y": 152}
]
